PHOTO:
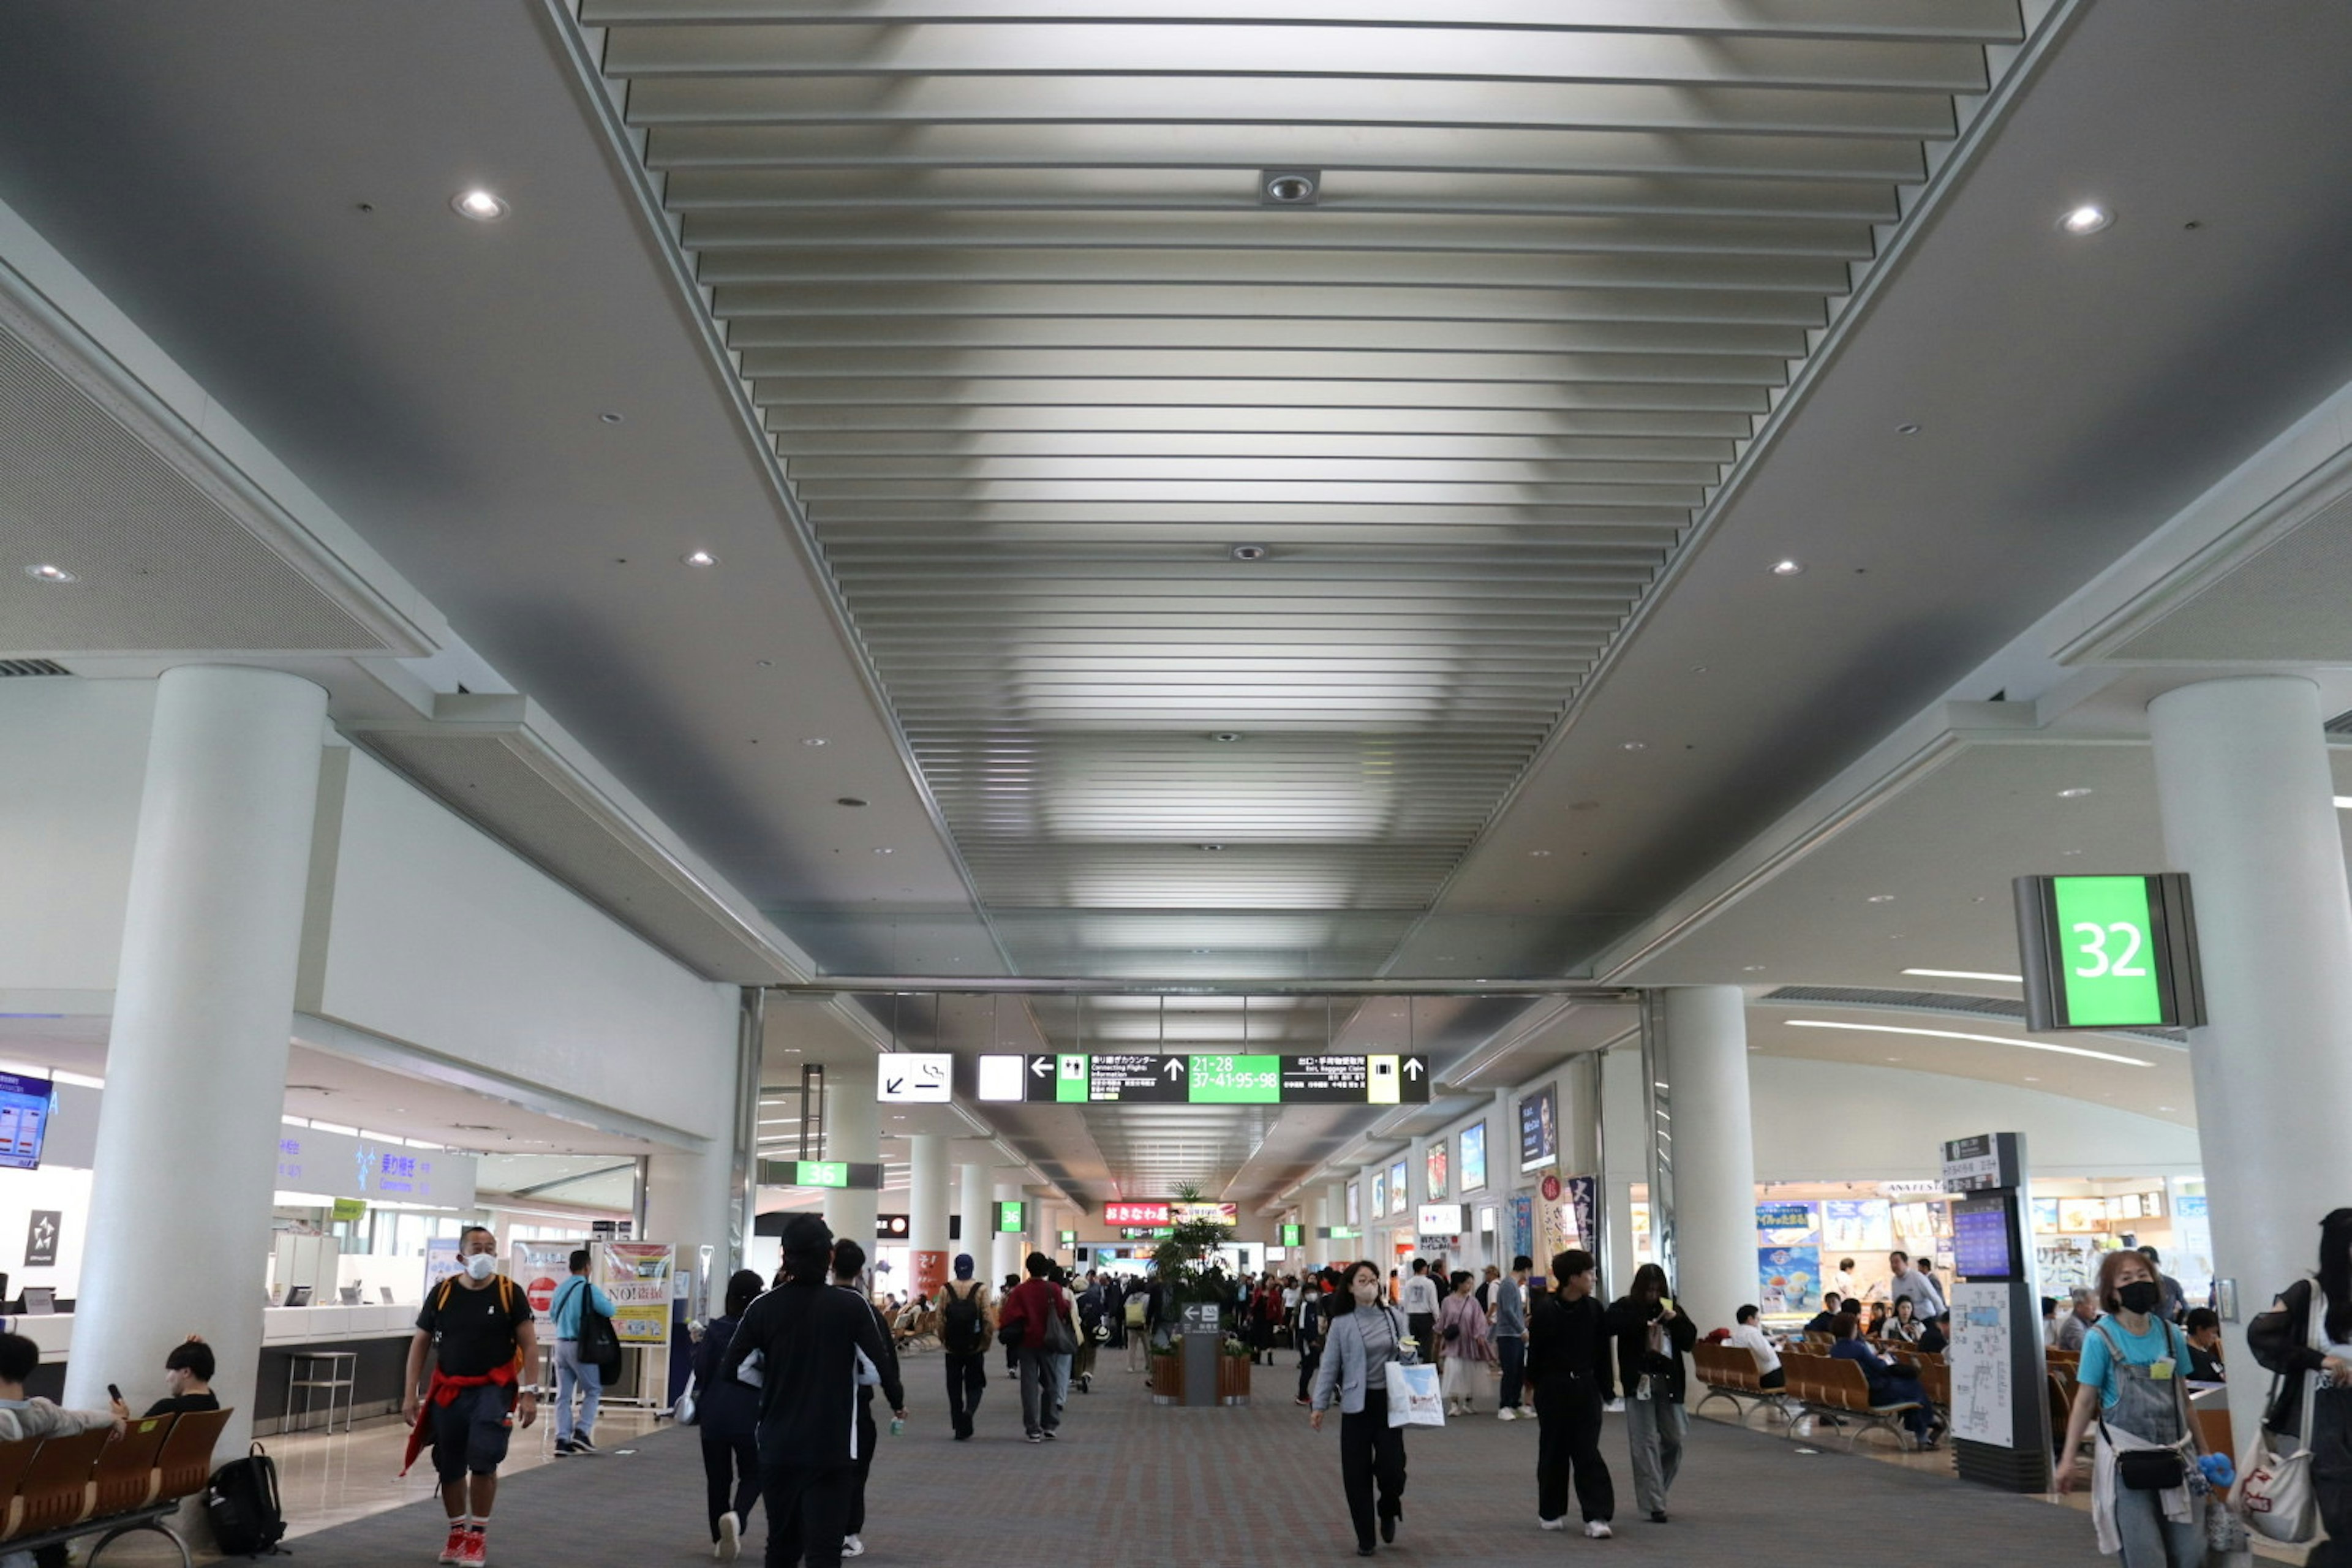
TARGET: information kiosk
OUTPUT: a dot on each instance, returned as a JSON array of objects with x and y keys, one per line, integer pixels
[{"x": 2000, "y": 1405}]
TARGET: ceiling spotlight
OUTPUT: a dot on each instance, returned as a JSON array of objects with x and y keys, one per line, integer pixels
[
  {"x": 1635, "y": 746},
  {"x": 815, "y": 740},
  {"x": 850, "y": 800},
  {"x": 1538, "y": 854},
  {"x": 1906, "y": 430},
  {"x": 700, "y": 558},
  {"x": 1289, "y": 187},
  {"x": 1788, "y": 569},
  {"x": 1212, "y": 848},
  {"x": 1751, "y": 969},
  {"x": 45, "y": 573},
  {"x": 1226, "y": 736},
  {"x": 885, "y": 851},
  {"x": 2086, "y": 219},
  {"x": 480, "y": 204},
  {"x": 1249, "y": 553},
  {"x": 1882, "y": 897},
  {"x": 609, "y": 417},
  {"x": 2076, "y": 793}
]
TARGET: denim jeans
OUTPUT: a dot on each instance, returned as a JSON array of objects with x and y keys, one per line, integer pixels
[{"x": 570, "y": 1371}]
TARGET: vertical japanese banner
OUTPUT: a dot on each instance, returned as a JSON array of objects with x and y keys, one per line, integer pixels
[
  {"x": 931, "y": 1271},
  {"x": 1583, "y": 1193},
  {"x": 637, "y": 1276},
  {"x": 1523, "y": 1230}
]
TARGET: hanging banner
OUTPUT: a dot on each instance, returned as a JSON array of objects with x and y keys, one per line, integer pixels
[
  {"x": 637, "y": 1276},
  {"x": 1583, "y": 1197},
  {"x": 539, "y": 1266},
  {"x": 1523, "y": 1231},
  {"x": 931, "y": 1271}
]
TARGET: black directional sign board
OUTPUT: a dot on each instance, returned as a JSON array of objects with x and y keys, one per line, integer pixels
[
  {"x": 1131, "y": 1078},
  {"x": 1149, "y": 1077}
]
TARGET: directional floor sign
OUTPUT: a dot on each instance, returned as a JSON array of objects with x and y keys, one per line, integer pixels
[{"x": 1238, "y": 1080}]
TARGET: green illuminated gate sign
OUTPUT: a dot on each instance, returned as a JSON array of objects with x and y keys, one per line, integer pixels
[
  {"x": 2109, "y": 952},
  {"x": 1293, "y": 1235},
  {"x": 1012, "y": 1218}
]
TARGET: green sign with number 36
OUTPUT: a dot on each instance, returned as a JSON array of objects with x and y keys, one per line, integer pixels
[{"x": 2109, "y": 952}]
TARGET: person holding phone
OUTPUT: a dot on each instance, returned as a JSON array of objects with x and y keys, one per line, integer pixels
[
  {"x": 187, "y": 1378},
  {"x": 1653, "y": 1337}
]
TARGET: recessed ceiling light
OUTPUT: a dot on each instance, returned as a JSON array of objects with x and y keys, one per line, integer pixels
[
  {"x": 1985, "y": 1039},
  {"x": 2076, "y": 793},
  {"x": 1249, "y": 553},
  {"x": 480, "y": 204},
  {"x": 45, "y": 573},
  {"x": 700, "y": 558},
  {"x": 1538, "y": 854},
  {"x": 1751, "y": 969},
  {"x": 1967, "y": 974},
  {"x": 1226, "y": 736},
  {"x": 850, "y": 800},
  {"x": 1635, "y": 746},
  {"x": 1906, "y": 430},
  {"x": 2086, "y": 219},
  {"x": 1289, "y": 187},
  {"x": 1213, "y": 849},
  {"x": 813, "y": 740},
  {"x": 1882, "y": 897},
  {"x": 1788, "y": 569},
  {"x": 609, "y": 417},
  {"x": 885, "y": 851}
]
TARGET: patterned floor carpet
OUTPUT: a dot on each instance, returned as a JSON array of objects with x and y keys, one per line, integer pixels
[{"x": 1134, "y": 1483}]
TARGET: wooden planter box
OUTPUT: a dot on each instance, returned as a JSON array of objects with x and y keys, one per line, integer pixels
[
  {"x": 1168, "y": 1379},
  {"x": 1232, "y": 1379}
]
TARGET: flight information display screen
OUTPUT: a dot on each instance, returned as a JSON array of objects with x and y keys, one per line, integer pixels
[
  {"x": 25, "y": 1104},
  {"x": 1982, "y": 1233}
]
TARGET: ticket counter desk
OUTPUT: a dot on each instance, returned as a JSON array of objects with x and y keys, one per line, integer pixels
[{"x": 349, "y": 1359}]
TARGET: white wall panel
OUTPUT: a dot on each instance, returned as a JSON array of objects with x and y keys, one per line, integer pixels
[{"x": 72, "y": 756}]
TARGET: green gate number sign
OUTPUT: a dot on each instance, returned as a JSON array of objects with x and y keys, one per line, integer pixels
[
  {"x": 2109, "y": 952},
  {"x": 1293, "y": 1235},
  {"x": 1012, "y": 1218}
]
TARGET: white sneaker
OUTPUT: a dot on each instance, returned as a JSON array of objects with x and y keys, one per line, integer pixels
[
  {"x": 729, "y": 1543},
  {"x": 852, "y": 1547},
  {"x": 1597, "y": 1529},
  {"x": 1560, "y": 1524},
  {"x": 1506, "y": 1414}
]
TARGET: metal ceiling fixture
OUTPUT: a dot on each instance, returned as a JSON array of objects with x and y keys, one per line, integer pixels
[{"x": 1290, "y": 187}]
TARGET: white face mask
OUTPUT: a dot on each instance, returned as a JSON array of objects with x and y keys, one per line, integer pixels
[
  {"x": 1367, "y": 1292},
  {"x": 481, "y": 1266}
]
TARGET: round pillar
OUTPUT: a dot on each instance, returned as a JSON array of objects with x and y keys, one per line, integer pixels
[
  {"x": 927, "y": 1212},
  {"x": 1713, "y": 1151},
  {"x": 974, "y": 1191},
  {"x": 2243, "y": 787},
  {"x": 195, "y": 1064},
  {"x": 853, "y": 1121}
]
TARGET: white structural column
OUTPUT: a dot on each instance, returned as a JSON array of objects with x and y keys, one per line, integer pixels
[
  {"x": 1714, "y": 1148},
  {"x": 195, "y": 1067},
  {"x": 1624, "y": 1145},
  {"x": 927, "y": 1212},
  {"x": 853, "y": 1121},
  {"x": 1005, "y": 1252},
  {"x": 688, "y": 1202},
  {"x": 2244, "y": 785},
  {"x": 975, "y": 1189}
]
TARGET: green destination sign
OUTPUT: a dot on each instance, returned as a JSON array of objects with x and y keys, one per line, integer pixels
[
  {"x": 1012, "y": 1218},
  {"x": 1293, "y": 1235},
  {"x": 2109, "y": 952}
]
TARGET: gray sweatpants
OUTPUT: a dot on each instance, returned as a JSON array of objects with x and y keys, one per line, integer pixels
[{"x": 1654, "y": 1429}]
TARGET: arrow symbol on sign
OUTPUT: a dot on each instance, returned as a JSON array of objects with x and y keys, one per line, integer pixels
[
  {"x": 1175, "y": 1067},
  {"x": 1412, "y": 1067},
  {"x": 1042, "y": 1067},
  {"x": 897, "y": 1086}
]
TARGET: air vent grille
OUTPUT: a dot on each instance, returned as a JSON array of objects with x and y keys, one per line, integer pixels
[
  {"x": 1945, "y": 1002},
  {"x": 11, "y": 666}
]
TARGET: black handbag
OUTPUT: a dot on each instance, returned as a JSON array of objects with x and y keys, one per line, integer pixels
[{"x": 2150, "y": 1469}]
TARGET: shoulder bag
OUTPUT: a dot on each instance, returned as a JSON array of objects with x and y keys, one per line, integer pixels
[
  {"x": 1056, "y": 1339},
  {"x": 2273, "y": 1491}
]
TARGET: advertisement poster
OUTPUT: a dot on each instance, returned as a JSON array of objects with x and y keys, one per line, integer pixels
[
  {"x": 1473, "y": 1157},
  {"x": 1523, "y": 1231},
  {"x": 1583, "y": 1200},
  {"x": 930, "y": 1269},
  {"x": 1865, "y": 1225},
  {"x": 636, "y": 1275},
  {"x": 1982, "y": 1411},
  {"x": 1398, "y": 1200},
  {"x": 1354, "y": 1206},
  {"x": 1379, "y": 1196},
  {"x": 1539, "y": 1129},
  {"x": 1788, "y": 1224},
  {"x": 1788, "y": 1280},
  {"x": 1436, "y": 1173},
  {"x": 440, "y": 1260},
  {"x": 539, "y": 1266}
]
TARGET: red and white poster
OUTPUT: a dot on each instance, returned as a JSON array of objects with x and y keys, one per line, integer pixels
[{"x": 931, "y": 1271}]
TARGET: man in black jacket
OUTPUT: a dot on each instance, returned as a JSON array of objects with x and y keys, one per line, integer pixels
[
  {"x": 1569, "y": 1354},
  {"x": 809, "y": 1337}
]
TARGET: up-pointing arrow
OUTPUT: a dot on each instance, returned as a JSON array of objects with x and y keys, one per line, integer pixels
[
  {"x": 1412, "y": 1067},
  {"x": 1175, "y": 1067}
]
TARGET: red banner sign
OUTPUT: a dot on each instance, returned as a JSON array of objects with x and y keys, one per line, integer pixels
[{"x": 1135, "y": 1214}]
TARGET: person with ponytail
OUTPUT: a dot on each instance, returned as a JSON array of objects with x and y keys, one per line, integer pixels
[{"x": 2318, "y": 1366}]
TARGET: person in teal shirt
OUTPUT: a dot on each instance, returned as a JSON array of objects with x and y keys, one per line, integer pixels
[
  {"x": 2132, "y": 1386},
  {"x": 572, "y": 1297}
]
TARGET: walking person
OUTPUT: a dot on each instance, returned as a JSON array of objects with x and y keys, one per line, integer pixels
[
  {"x": 2307, "y": 1339},
  {"x": 2132, "y": 1386},
  {"x": 1569, "y": 1357},
  {"x": 1419, "y": 1300},
  {"x": 809, "y": 1337},
  {"x": 1507, "y": 1327},
  {"x": 1315, "y": 1294},
  {"x": 727, "y": 1415},
  {"x": 967, "y": 1322},
  {"x": 1035, "y": 1322},
  {"x": 1065, "y": 1357},
  {"x": 1135, "y": 1326},
  {"x": 848, "y": 1272},
  {"x": 1653, "y": 1337},
  {"x": 573, "y": 1298},
  {"x": 1465, "y": 1350},
  {"x": 478, "y": 1327},
  {"x": 1357, "y": 1345}
]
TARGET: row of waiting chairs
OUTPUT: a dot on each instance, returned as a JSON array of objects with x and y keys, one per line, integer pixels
[
  {"x": 59, "y": 1489},
  {"x": 1817, "y": 1385}
]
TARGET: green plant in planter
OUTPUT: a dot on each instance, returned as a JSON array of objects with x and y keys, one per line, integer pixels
[
  {"x": 1182, "y": 1260},
  {"x": 1234, "y": 1347}
]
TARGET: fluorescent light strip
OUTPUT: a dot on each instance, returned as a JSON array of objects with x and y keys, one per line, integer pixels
[
  {"x": 2343, "y": 802},
  {"x": 1954, "y": 1035},
  {"x": 1966, "y": 975}
]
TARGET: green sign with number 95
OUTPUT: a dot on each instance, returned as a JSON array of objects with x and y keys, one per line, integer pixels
[{"x": 2107, "y": 942}]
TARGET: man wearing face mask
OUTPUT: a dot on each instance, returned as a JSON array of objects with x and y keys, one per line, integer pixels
[{"x": 483, "y": 1324}]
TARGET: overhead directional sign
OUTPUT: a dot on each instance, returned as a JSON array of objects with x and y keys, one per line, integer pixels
[
  {"x": 1238, "y": 1080},
  {"x": 853, "y": 1174},
  {"x": 914, "y": 1078}
]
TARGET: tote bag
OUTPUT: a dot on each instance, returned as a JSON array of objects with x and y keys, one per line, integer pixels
[
  {"x": 1414, "y": 1396},
  {"x": 2274, "y": 1490}
]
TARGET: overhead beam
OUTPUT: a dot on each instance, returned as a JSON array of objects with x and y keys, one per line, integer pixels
[{"x": 1027, "y": 986}]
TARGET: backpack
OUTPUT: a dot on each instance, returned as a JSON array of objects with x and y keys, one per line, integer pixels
[
  {"x": 963, "y": 1331},
  {"x": 600, "y": 1343},
  {"x": 1135, "y": 1309},
  {"x": 241, "y": 1500}
]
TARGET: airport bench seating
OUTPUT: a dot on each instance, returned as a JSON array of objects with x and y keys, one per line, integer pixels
[
  {"x": 1826, "y": 1386},
  {"x": 1731, "y": 1371},
  {"x": 61, "y": 1489}
]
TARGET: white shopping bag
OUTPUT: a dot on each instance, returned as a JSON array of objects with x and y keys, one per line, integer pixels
[{"x": 1413, "y": 1397}]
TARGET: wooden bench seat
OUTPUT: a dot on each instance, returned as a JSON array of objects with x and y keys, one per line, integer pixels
[
  {"x": 1731, "y": 1371},
  {"x": 61, "y": 1489},
  {"x": 1824, "y": 1385}
]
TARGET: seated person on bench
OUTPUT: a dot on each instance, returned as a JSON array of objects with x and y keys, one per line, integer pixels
[
  {"x": 188, "y": 1382},
  {"x": 1889, "y": 1383},
  {"x": 21, "y": 1417},
  {"x": 1826, "y": 1320},
  {"x": 1749, "y": 1336}
]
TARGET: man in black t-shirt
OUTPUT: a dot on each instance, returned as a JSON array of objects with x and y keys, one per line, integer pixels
[
  {"x": 188, "y": 1374},
  {"x": 483, "y": 1323}
]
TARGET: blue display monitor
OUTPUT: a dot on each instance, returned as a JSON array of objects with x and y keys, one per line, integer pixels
[
  {"x": 25, "y": 1106},
  {"x": 1984, "y": 1231}
]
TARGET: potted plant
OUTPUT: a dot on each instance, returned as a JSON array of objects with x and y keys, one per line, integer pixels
[{"x": 1185, "y": 1261}]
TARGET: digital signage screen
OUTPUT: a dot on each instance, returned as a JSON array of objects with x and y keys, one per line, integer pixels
[
  {"x": 1473, "y": 1157},
  {"x": 25, "y": 1105},
  {"x": 1399, "y": 1198},
  {"x": 1981, "y": 1231},
  {"x": 1539, "y": 1129}
]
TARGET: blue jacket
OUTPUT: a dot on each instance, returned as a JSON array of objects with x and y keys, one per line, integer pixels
[
  {"x": 564, "y": 1310},
  {"x": 1350, "y": 1364}
]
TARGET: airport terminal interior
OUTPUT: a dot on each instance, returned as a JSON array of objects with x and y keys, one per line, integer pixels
[{"x": 1456, "y": 708}]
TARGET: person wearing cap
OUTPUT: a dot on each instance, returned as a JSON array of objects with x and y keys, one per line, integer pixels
[{"x": 967, "y": 1321}]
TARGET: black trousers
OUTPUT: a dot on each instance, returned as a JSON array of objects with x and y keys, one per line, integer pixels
[
  {"x": 1777, "y": 1378},
  {"x": 808, "y": 1513},
  {"x": 1372, "y": 1450},
  {"x": 1570, "y": 1442},
  {"x": 866, "y": 1435},
  {"x": 1423, "y": 1327},
  {"x": 967, "y": 1380},
  {"x": 730, "y": 1470},
  {"x": 1311, "y": 1356},
  {"x": 2331, "y": 1475}
]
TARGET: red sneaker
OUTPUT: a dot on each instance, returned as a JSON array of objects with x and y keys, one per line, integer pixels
[
  {"x": 475, "y": 1551},
  {"x": 454, "y": 1551}
]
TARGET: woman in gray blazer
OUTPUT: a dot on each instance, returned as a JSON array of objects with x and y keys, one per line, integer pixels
[{"x": 1357, "y": 1349}]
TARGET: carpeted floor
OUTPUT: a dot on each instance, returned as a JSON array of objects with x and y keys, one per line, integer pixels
[{"x": 1131, "y": 1482}]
